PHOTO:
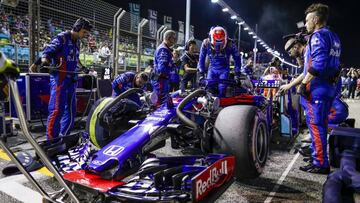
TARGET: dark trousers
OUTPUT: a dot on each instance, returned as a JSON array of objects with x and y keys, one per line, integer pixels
[
  {"x": 186, "y": 78},
  {"x": 352, "y": 88},
  {"x": 174, "y": 86}
]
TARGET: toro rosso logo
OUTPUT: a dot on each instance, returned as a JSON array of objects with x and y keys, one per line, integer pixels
[
  {"x": 213, "y": 177},
  {"x": 113, "y": 150}
]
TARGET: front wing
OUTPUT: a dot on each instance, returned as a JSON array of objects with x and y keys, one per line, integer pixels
[{"x": 164, "y": 179}]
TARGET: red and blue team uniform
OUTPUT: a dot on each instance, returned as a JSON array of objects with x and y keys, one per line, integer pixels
[
  {"x": 64, "y": 52},
  {"x": 322, "y": 60},
  {"x": 123, "y": 82},
  {"x": 339, "y": 110},
  {"x": 160, "y": 79},
  {"x": 219, "y": 67}
]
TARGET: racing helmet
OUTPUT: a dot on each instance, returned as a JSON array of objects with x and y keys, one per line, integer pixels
[{"x": 218, "y": 38}]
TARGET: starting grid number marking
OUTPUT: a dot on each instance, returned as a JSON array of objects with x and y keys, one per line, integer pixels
[{"x": 42, "y": 170}]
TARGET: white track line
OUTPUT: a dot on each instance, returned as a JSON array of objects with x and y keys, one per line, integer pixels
[
  {"x": 281, "y": 179},
  {"x": 13, "y": 187}
]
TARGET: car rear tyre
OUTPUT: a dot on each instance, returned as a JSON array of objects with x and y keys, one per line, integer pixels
[{"x": 242, "y": 131}]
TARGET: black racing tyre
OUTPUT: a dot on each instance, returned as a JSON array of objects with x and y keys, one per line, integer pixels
[
  {"x": 241, "y": 131},
  {"x": 100, "y": 135}
]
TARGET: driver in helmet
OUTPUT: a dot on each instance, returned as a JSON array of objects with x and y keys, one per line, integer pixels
[{"x": 218, "y": 48}]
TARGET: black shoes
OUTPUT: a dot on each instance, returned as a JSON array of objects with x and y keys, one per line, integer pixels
[
  {"x": 311, "y": 168},
  {"x": 305, "y": 151}
]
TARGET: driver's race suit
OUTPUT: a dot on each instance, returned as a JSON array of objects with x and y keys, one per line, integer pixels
[
  {"x": 123, "y": 82},
  {"x": 219, "y": 67},
  {"x": 322, "y": 60},
  {"x": 64, "y": 52},
  {"x": 163, "y": 65}
]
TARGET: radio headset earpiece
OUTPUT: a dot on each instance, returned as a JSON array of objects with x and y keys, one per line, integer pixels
[
  {"x": 188, "y": 43},
  {"x": 81, "y": 23}
]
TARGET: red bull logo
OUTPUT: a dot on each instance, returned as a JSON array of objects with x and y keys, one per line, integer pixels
[{"x": 213, "y": 177}]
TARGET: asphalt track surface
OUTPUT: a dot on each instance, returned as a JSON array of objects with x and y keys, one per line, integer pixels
[{"x": 281, "y": 181}]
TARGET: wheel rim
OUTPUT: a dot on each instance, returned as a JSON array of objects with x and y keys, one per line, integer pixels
[{"x": 261, "y": 143}]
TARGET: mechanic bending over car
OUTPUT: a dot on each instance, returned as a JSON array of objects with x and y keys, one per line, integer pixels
[
  {"x": 128, "y": 80},
  {"x": 319, "y": 84},
  {"x": 63, "y": 52},
  {"x": 218, "y": 47},
  {"x": 163, "y": 65}
]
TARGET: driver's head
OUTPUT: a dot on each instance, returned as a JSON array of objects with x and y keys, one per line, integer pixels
[
  {"x": 140, "y": 80},
  {"x": 218, "y": 38}
]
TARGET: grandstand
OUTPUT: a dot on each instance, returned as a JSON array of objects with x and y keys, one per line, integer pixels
[{"x": 59, "y": 15}]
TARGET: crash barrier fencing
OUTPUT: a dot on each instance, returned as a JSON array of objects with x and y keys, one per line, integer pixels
[
  {"x": 135, "y": 49},
  {"x": 56, "y": 16}
]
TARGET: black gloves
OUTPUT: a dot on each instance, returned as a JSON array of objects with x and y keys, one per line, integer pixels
[
  {"x": 302, "y": 90},
  {"x": 237, "y": 79},
  {"x": 201, "y": 78}
]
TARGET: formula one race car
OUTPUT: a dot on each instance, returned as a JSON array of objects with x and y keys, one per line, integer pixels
[
  {"x": 240, "y": 124},
  {"x": 238, "y": 127},
  {"x": 250, "y": 121}
]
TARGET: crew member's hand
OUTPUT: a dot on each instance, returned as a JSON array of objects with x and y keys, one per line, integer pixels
[
  {"x": 201, "y": 78},
  {"x": 33, "y": 68},
  {"x": 45, "y": 62},
  {"x": 302, "y": 90},
  {"x": 284, "y": 88}
]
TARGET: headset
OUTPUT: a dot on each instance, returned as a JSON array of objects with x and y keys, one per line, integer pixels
[
  {"x": 82, "y": 23},
  {"x": 143, "y": 76},
  {"x": 188, "y": 43},
  {"x": 298, "y": 38}
]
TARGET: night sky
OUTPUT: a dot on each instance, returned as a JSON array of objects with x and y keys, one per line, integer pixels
[{"x": 275, "y": 18}]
